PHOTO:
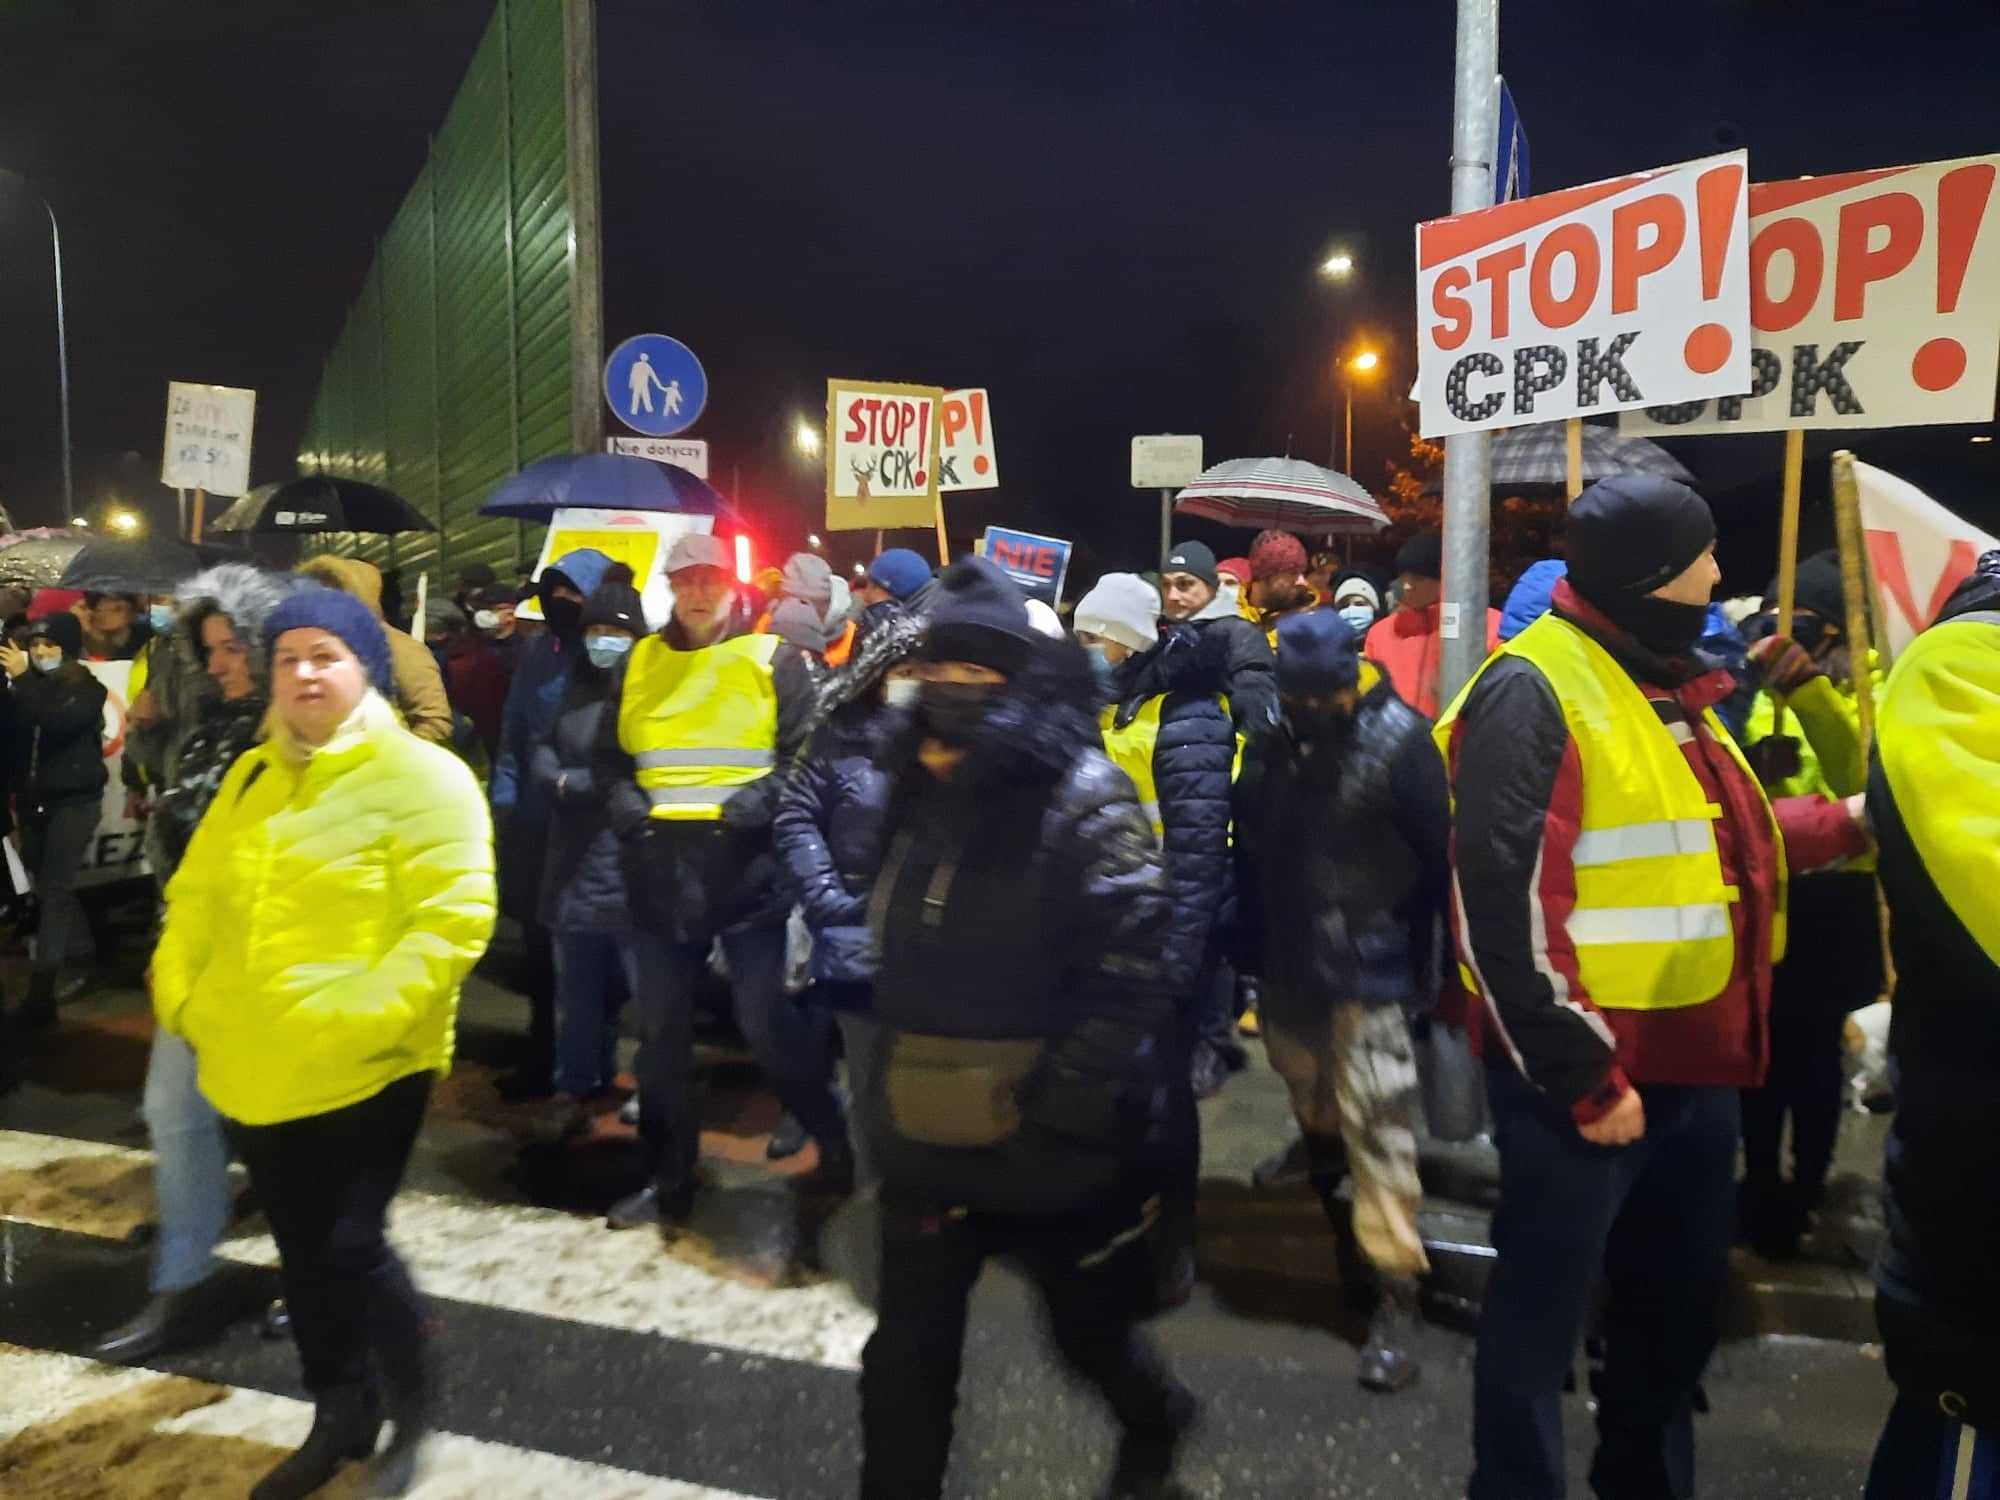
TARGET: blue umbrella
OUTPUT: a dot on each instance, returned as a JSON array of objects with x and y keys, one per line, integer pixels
[{"x": 603, "y": 481}]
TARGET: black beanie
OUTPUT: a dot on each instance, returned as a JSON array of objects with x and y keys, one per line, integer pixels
[
  {"x": 1818, "y": 588},
  {"x": 615, "y": 603},
  {"x": 64, "y": 629},
  {"x": 1195, "y": 558},
  {"x": 979, "y": 615},
  {"x": 1422, "y": 556},
  {"x": 1631, "y": 533}
]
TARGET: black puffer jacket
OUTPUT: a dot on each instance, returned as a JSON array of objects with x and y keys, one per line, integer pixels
[
  {"x": 1346, "y": 846},
  {"x": 1022, "y": 1010},
  {"x": 583, "y": 877},
  {"x": 59, "y": 725},
  {"x": 1250, "y": 666},
  {"x": 228, "y": 727},
  {"x": 1192, "y": 764}
]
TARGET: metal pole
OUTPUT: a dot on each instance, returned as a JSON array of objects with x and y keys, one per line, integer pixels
[
  {"x": 1166, "y": 523},
  {"x": 62, "y": 340},
  {"x": 1350, "y": 428},
  {"x": 1468, "y": 460},
  {"x": 586, "y": 274}
]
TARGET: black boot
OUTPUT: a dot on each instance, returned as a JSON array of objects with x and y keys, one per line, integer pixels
[
  {"x": 38, "y": 1009},
  {"x": 1388, "y": 1361},
  {"x": 169, "y": 1320},
  {"x": 410, "y": 1379},
  {"x": 1145, "y": 1466},
  {"x": 346, "y": 1422}
]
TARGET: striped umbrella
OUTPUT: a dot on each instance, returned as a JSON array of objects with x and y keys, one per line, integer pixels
[
  {"x": 1528, "y": 457},
  {"x": 1287, "y": 493}
]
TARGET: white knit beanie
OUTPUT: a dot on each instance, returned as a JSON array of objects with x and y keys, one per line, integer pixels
[{"x": 1122, "y": 608}]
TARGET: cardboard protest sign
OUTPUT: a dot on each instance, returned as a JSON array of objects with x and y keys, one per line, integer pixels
[
  {"x": 1040, "y": 564},
  {"x": 1617, "y": 294},
  {"x": 881, "y": 454},
  {"x": 207, "y": 446},
  {"x": 1874, "y": 302},
  {"x": 1918, "y": 552},
  {"x": 967, "y": 460}
]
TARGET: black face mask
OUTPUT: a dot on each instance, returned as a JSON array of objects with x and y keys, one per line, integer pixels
[
  {"x": 954, "y": 711},
  {"x": 1319, "y": 725},
  {"x": 1662, "y": 626},
  {"x": 565, "y": 616}
]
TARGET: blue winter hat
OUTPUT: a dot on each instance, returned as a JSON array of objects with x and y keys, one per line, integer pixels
[
  {"x": 1318, "y": 653},
  {"x": 318, "y": 608},
  {"x": 900, "y": 571}
]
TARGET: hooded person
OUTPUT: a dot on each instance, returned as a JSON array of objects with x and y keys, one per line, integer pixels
[
  {"x": 1021, "y": 1012},
  {"x": 317, "y": 931},
  {"x": 583, "y": 901},
  {"x": 808, "y": 581},
  {"x": 1619, "y": 889},
  {"x": 1406, "y": 643},
  {"x": 1840, "y": 970},
  {"x": 222, "y": 611},
  {"x": 419, "y": 687},
  {"x": 59, "y": 780},
  {"x": 1165, "y": 725},
  {"x": 1189, "y": 590},
  {"x": 1343, "y": 834},
  {"x": 701, "y": 729},
  {"x": 1934, "y": 802},
  {"x": 521, "y": 806}
]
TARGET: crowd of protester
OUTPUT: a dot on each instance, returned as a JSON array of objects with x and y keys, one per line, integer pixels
[{"x": 1040, "y": 879}]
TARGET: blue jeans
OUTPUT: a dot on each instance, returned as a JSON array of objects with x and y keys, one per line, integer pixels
[
  {"x": 1923, "y": 1454},
  {"x": 1653, "y": 1218},
  {"x": 191, "y": 1174},
  {"x": 596, "y": 972}
]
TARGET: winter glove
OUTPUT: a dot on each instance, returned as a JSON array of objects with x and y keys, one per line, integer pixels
[
  {"x": 1774, "y": 758},
  {"x": 1786, "y": 665}
]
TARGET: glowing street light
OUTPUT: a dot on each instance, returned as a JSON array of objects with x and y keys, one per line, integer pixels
[
  {"x": 79, "y": 521},
  {"x": 812, "y": 541},
  {"x": 1362, "y": 363},
  {"x": 1337, "y": 267},
  {"x": 124, "y": 522},
  {"x": 1365, "y": 361},
  {"x": 806, "y": 437}
]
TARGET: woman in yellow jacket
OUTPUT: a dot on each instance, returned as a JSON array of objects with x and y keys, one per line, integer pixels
[{"x": 331, "y": 901}]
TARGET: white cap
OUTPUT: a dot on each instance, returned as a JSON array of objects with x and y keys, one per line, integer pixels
[
  {"x": 1122, "y": 608},
  {"x": 1044, "y": 619},
  {"x": 697, "y": 549}
]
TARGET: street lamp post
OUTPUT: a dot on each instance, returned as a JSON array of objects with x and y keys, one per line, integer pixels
[
  {"x": 62, "y": 335},
  {"x": 1361, "y": 364}
]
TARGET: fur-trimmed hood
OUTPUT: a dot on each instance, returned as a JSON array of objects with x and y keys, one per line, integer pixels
[{"x": 247, "y": 595}]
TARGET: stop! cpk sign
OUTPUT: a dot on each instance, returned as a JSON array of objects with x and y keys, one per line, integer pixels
[
  {"x": 1619, "y": 294},
  {"x": 1874, "y": 302}
]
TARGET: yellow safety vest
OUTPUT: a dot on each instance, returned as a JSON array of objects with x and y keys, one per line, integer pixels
[
  {"x": 1651, "y": 926},
  {"x": 1131, "y": 748},
  {"x": 700, "y": 725}
]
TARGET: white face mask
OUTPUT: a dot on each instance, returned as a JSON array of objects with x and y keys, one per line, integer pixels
[
  {"x": 485, "y": 619},
  {"x": 901, "y": 692}
]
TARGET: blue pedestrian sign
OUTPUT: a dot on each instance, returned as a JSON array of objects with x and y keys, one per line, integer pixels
[{"x": 655, "y": 385}]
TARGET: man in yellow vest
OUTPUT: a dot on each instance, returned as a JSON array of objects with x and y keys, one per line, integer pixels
[
  {"x": 691, "y": 764},
  {"x": 1618, "y": 892}
]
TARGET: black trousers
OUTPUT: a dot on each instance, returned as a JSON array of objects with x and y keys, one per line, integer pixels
[
  {"x": 53, "y": 842},
  {"x": 325, "y": 1182},
  {"x": 1095, "y": 1286}
]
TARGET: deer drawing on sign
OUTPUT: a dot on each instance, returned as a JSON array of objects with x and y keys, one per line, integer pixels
[{"x": 863, "y": 474}]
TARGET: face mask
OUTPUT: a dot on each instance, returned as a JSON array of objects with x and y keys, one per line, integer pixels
[
  {"x": 485, "y": 619},
  {"x": 1660, "y": 625},
  {"x": 161, "y": 618},
  {"x": 606, "y": 651},
  {"x": 564, "y": 615},
  {"x": 1319, "y": 724},
  {"x": 1101, "y": 667},
  {"x": 954, "y": 711},
  {"x": 45, "y": 663},
  {"x": 1360, "y": 616},
  {"x": 901, "y": 692}
]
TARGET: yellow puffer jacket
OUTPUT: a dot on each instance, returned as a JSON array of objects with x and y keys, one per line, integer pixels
[{"x": 328, "y": 908}]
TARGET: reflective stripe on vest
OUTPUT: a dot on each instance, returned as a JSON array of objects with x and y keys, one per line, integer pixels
[
  {"x": 699, "y": 725},
  {"x": 1651, "y": 925}
]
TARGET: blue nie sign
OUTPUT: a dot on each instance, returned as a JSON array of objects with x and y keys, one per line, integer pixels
[{"x": 1039, "y": 564}]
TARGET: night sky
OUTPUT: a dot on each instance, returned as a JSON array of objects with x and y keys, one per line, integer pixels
[{"x": 1107, "y": 213}]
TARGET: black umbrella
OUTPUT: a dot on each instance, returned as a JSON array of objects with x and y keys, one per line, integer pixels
[
  {"x": 321, "y": 502},
  {"x": 150, "y": 565}
]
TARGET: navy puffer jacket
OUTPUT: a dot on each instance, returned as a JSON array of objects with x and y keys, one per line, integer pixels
[
  {"x": 582, "y": 876},
  {"x": 1192, "y": 762},
  {"x": 829, "y": 836}
]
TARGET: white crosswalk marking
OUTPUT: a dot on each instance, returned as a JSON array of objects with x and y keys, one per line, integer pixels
[
  {"x": 38, "y": 1390},
  {"x": 523, "y": 1259}
]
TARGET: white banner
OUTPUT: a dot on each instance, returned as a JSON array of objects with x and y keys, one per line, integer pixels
[
  {"x": 1618, "y": 294},
  {"x": 965, "y": 443},
  {"x": 1918, "y": 551},
  {"x": 1874, "y": 302},
  {"x": 208, "y": 438}
]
